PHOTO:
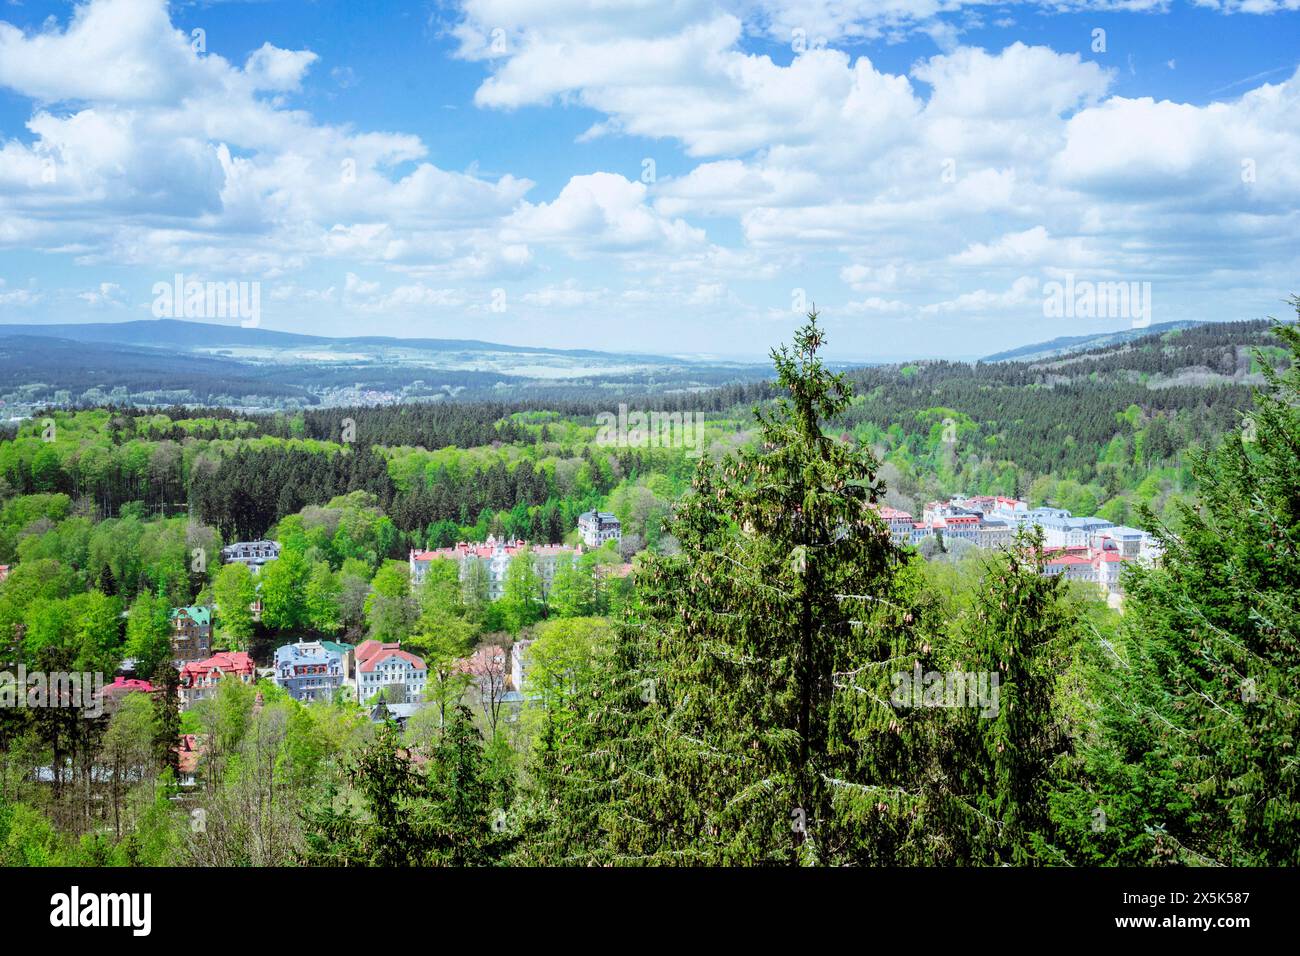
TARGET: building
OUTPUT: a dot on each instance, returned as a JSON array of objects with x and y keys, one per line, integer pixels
[
  {"x": 310, "y": 670},
  {"x": 398, "y": 713},
  {"x": 519, "y": 664},
  {"x": 597, "y": 527},
  {"x": 199, "y": 679},
  {"x": 964, "y": 527},
  {"x": 114, "y": 693},
  {"x": 494, "y": 555},
  {"x": 900, "y": 523},
  {"x": 387, "y": 667},
  {"x": 252, "y": 554},
  {"x": 191, "y": 634},
  {"x": 1071, "y": 564},
  {"x": 189, "y": 751},
  {"x": 994, "y": 533},
  {"x": 1067, "y": 531},
  {"x": 1128, "y": 540}
]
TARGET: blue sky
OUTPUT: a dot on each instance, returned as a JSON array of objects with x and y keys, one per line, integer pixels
[{"x": 653, "y": 175}]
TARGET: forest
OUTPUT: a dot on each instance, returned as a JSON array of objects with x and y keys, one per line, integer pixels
[{"x": 734, "y": 699}]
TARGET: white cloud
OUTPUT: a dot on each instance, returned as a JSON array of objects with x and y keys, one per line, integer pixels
[
  {"x": 109, "y": 294},
  {"x": 599, "y": 211},
  {"x": 1023, "y": 291},
  {"x": 568, "y": 295}
]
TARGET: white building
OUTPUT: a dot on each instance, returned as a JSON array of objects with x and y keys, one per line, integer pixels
[
  {"x": 994, "y": 533},
  {"x": 899, "y": 523},
  {"x": 597, "y": 527},
  {"x": 494, "y": 555},
  {"x": 251, "y": 554},
  {"x": 1127, "y": 540},
  {"x": 385, "y": 667},
  {"x": 519, "y": 664}
]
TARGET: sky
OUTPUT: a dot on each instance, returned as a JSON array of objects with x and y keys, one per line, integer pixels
[{"x": 669, "y": 176}]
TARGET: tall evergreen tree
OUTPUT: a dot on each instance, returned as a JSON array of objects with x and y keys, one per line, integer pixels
[
  {"x": 1191, "y": 758},
  {"x": 775, "y": 625}
]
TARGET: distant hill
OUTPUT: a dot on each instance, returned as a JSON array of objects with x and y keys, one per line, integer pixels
[
  {"x": 179, "y": 333},
  {"x": 174, "y": 361},
  {"x": 1067, "y": 344}
]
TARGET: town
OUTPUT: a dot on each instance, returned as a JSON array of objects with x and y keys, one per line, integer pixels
[
  {"x": 1092, "y": 550},
  {"x": 390, "y": 682},
  {"x": 382, "y": 677}
]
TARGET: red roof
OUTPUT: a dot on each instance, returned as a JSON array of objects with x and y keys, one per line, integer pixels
[
  {"x": 190, "y": 750},
  {"x": 370, "y": 654},
  {"x": 228, "y": 662},
  {"x": 489, "y": 659},
  {"x": 465, "y": 549},
  {"x": 892, "y": 514},
  {"x": 123, "y": 685}
]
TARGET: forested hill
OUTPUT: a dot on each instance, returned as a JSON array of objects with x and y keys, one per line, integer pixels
[
  {"x": 1098, "y": 432},
  {"x": 1065, "y": 344},
  {"x": 195, "y": 363}
]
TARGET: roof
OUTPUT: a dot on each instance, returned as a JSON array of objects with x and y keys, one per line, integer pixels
[
  {"x": 125, "y": 685},
  {"x": 489, "y": 658},
  {"x": 1069, "y": 559},
  {"x": 891, "y": 514},
  {"x": 370, "y": 654},
  {"x": 486, "y": 549},
  {"x": 190, "y": 749},
  {"x": 305, "y": 653},
  {"x": 228, "y": 662},
  {"x": 599, "y": 515},
  {"x": 396, "y": 711},
  {"x": 199, "y": 615},
  {"x": 1123, "y": 530}
]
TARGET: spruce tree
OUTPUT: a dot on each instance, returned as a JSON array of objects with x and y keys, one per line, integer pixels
[
  {"x": 1191, "y": 758},
  {"x": 774, "y": 627}
]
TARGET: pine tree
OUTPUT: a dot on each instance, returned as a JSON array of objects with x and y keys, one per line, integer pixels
[
  {"x": 167, "y": 717},
  {"x": 469, "y": 832},
  {"x": 590, "y": 761},
  {"x": 775, "y": 626},
  {"x": 987, "y": 797},
  {"x": 1192, "y": 756}
]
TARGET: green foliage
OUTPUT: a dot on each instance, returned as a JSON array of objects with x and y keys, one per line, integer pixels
[
  {"x": 1189, "y": 758},
  {"x": 149, "y": 633},
  {"x": 284, "y": 591},
  {"x": 521, "y": 598},
  {"x": 234, "y": 593}
]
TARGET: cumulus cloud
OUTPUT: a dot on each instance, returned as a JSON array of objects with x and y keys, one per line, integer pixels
[
  {"x": 167, "y": 157},
  {"x": 599, "y": 211},
  {"x": 798, "y": 158}
]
